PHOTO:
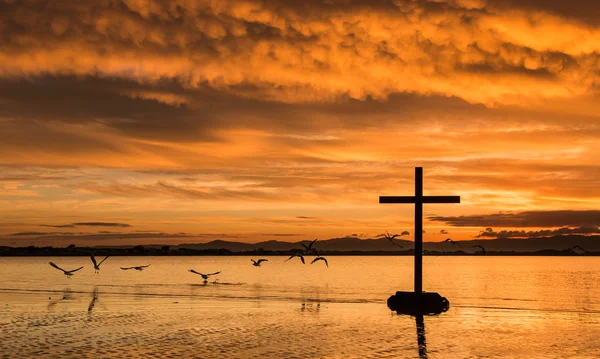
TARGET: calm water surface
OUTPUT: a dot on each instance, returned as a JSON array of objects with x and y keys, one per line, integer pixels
[{"x": 501, "y": 307}]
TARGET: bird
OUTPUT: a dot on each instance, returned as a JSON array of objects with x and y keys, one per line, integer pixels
[
  {"x": 391, "y": 237},
  {"x": 204, "y": 276},
  {"x": 320, "y": 259},
  {"x": 68, "y": 273},
  {"x": 480, "y": 246},
  {"x": 96, "y": 265},
  {"x": 297, "y": 255},
  {"x": 452, "y": 241},
  {"x": 257, "y": 263},
  {"x": 138, "y": 268},
  {"x": 308, "y": 249}
]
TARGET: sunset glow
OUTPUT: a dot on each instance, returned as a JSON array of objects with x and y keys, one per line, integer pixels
[{"x": 138, "y": 121}]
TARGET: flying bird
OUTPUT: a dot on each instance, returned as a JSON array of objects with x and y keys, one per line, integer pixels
[
  {"x": 96, "y": 265},
  {"x": 308, "y": 249},
  {"x": 320, "y": 259},
  {"x": 68, "y": 273},
  {"x": 451, "y": 241},
  {"x": 258, "y": 262},
  {"x": 138, "y": 268},
  {"x": 480, "y": 246},
  {"x": 391, "y": 237},
  {"x": 204, "y": 276},
  {"x": 297, "y": 255}
]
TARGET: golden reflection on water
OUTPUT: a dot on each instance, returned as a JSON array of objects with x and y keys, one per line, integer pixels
[{"x": 500, "y": 307}]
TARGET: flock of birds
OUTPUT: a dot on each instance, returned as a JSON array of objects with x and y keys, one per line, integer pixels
[
  {"x": 308, "y": 250},
  {"x": 69, "y": 273}
]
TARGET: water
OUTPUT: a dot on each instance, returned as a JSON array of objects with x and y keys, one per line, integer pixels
[{"x": 519, "y": 307}]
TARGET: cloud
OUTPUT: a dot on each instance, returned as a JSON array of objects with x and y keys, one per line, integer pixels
[
  {"x": 58, "y": 225},
  {"x": 87, "y": 224},
  {"x": 489, "y": 232},
  {"x": 561, "y": 218},
  {"x": 313, "y": 51},
  {"x": 102, "y": 224},
  {"x": 42, "y": 234}
]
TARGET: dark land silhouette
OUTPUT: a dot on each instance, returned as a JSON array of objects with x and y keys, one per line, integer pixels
[{"x": 560, "y": 245}]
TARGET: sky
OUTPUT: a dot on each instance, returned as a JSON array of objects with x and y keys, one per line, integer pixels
[{"x": 139, "y": 121}]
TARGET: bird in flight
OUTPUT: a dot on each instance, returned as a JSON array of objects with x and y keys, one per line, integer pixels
[
  {"x": 308, "y": 249},
  {"x": 320, "y": 259},
  {"x": 391, "y": 237},
  {"x": 138, "y": 268},
  {"x": 204, "y": 276},
  {"x": 480, "y": 246},
  {"x": 258, "y": 262},
  {"x": 297, "y": 255},
  {"x": 451, "y": 241},
  {"x": 68, "y": 273},
  {"x": 96, "y": 265}
]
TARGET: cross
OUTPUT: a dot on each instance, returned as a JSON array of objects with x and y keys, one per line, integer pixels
[{"x": 418, "y": 199}]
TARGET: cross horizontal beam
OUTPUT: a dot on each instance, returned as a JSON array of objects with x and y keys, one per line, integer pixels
[{"x": 424, "y": 199}]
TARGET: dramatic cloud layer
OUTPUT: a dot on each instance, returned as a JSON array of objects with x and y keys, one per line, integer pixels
[
  {"x": 276, "y": 117},
  {"x": 490, "y": 233},
  {"x": 568, "y": 218}
]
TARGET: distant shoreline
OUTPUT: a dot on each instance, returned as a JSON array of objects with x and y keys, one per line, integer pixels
[{"x": 158, "y": 252}]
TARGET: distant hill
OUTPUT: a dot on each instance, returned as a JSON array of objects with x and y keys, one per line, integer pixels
[{"x": 590, "y": 243}]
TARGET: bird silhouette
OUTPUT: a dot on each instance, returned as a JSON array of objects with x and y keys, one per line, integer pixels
[
  {"x": 308, "y": 249},
  {"x": 296, "y": 255},
  {"x": 204, "y": 276},
  {"x": 68, "y": 273},
  {"x": 258, "y": 262},
  {"x": 96, "y": 265},
  {"x": 320, "y": 259},
  {"x": 138, "y": 268},
  {"x": 450, "y": 240},
  {"x": 480, "y": 246},
  {"x": 391, "y": 237}
]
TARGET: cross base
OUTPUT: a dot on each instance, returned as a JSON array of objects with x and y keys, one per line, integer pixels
[{"x": 412, "y": 303}]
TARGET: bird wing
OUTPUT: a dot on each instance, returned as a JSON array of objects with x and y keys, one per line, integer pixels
[
  {"x": 93, "y": 259},
  {"x": 128, "y": 268},
  {"x": 214, "y": 273},
  {"x": 75, "y": 270},
  {"x": 311, "y": 243},
  {"x": 193, "y": 271},
  {"x": 320, "y": 259},
  {"x": 292, "y": 256},
  {"x": 262, "y": 260},
  {"x": 302, "y": 259},
  {"x": 305, "y": 246},
  {"x": 146, "y": 266},
  {"x": 253, "y": 261},
  {"x": 102, "y": 261},
  {"x": 57, "y": 267}
]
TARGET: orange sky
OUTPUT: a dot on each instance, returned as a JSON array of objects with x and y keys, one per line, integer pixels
[{"x": 138, "y": 121}]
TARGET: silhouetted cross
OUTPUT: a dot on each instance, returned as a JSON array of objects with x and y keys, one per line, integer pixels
[{"x": 418, "y": 199}]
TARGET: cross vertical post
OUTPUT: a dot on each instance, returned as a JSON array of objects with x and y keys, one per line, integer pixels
[{"x": 418, "y": 229}]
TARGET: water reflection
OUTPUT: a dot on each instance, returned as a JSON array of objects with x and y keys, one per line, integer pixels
[
  {"x": 310, "y": 307},
  {"x": 67, "y": 295},
  {"x": 94, "y": 299},
  {"x": 422, "y": 344}
]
